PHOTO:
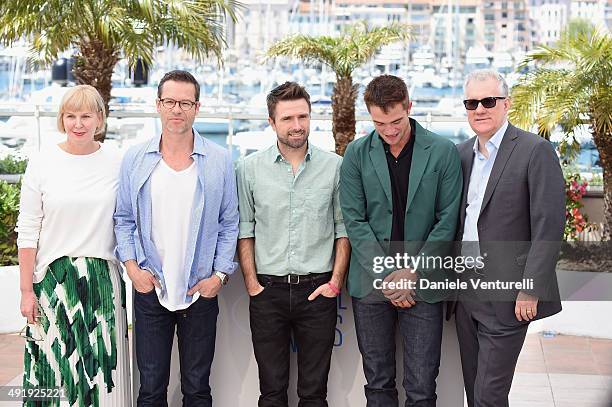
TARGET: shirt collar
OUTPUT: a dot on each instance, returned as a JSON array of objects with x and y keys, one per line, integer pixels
[
  {"x": 278, "y": 156},
  {"x": 496, "y": 140},
  {"x": 199, "y": 146}
]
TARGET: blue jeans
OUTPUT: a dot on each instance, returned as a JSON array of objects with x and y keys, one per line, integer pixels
[
  {"x": 420, "y": 328},
  {"x": 196, "y": 328}
]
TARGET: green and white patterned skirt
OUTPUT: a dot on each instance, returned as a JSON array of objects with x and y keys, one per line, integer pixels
[{"x": 84, "y": 346}]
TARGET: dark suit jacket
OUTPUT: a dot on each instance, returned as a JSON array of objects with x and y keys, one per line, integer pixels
[
  {"x": 434, "y": 191},
  {"x": 521, "y": 220}
]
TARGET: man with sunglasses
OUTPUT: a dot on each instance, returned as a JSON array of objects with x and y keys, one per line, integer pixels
[
  {"x": 512, "y": 214},
  {"x": 176, "y": 224}
]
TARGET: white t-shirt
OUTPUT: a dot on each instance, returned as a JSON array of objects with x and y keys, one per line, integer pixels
[
  {"x": 172, "y": 195},
  {"x": 67, "y": 205}
]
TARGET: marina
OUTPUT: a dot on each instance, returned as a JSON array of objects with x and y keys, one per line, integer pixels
[{"x": 448, "y": 39}]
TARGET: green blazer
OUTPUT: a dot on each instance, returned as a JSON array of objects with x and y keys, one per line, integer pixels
[{"x": 432, "y": 207}]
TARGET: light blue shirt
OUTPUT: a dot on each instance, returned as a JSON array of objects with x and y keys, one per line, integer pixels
[
  {"x": 479, "y": 178},
  {"x": 211, "y": 243}
]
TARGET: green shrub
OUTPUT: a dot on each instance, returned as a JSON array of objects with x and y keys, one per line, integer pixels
[
  {"x": 9, "y": 208},
  {"x": 596, "y": 181},
  {"x": 12, "y": 165}
]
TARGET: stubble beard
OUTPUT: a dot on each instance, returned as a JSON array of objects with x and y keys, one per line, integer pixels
[{"x": 295, "y": 144}]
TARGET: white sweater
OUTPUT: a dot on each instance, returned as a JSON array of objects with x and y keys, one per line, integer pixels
[{"x": 67, "y": 205}]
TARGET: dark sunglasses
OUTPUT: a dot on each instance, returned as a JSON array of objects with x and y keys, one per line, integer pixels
[{"x": 487, "y": 103}]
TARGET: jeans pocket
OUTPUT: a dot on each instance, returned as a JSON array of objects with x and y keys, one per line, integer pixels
[
  {"x": 323, "y": 303},
  {"x": 147, "y": 293},
  {"x": 260, "y": 294},
  {"x": 207, "y": 298}
]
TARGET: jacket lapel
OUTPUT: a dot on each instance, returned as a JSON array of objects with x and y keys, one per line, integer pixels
[
  {"x": 379, "y": 161},
  {"x": 420, "y": 157},
  {"x": 505, "y": 150},
  {"x": 467, "y": 161}
]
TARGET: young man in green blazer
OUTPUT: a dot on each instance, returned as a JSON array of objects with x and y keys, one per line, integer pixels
[{"x": 400, "y": 190}]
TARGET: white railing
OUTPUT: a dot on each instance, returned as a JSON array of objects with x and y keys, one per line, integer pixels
[{"x": 425, "y": 116}]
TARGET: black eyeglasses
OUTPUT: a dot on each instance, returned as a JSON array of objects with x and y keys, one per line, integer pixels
[
  {"x": 183, "y": 104},
  {"x": 487, "y": 103}
]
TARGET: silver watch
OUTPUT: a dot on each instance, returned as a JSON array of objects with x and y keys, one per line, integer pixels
[{"x": 222, "y": 276}]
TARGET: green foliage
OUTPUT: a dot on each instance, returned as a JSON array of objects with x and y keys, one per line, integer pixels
[
  {"x": 344, "y": 53},
  {"x": 12, "y": 165},
  {"x": 571, "y": 86},
  {"x": 596, "y": 181},
  {"x": 132, "y": 26},
  {"x": 9, "y": 209}
]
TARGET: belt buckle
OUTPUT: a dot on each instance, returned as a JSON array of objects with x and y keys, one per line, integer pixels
[{"x": 293, "y": 279}]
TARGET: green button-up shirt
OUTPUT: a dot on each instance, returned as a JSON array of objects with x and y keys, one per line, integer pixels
[{"x": 294, "y": 218}]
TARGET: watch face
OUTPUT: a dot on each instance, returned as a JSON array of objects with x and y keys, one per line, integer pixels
[{"x": 222, "y": 276}]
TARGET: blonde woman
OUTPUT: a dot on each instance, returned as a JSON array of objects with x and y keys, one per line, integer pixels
[{"x": 71, "y": 290}]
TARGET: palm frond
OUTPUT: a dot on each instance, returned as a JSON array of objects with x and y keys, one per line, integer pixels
[
  {"x": 307, "y": 48},
  {"x": 570, "y": 86},
  {"x": 601, "y": 111},
  {"x": 132, "y": 26},
  {"x": 352, "y": 48}
]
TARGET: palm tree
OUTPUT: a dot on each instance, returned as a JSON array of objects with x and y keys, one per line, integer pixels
[
  {"x": 572, "y": 86},
  {"x": 103, "y": 31},
  {"x": 343, "y": 54}
]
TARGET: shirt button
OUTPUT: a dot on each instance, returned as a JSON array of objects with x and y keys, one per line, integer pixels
[{"x": 292, "y": 252}]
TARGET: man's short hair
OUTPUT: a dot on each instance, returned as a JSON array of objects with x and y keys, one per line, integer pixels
[
  {"x": 480, "y": 75},
  {"x": 385, "y": 91},
  {"x": 286, "y": 91},
  {"x": 179, "y": 76}
]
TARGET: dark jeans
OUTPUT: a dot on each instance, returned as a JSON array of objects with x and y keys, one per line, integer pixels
[
  {"x": 420, "y": 328},
  {"x": 275, "y": 313},
  {"x": 154, "y": 331}
]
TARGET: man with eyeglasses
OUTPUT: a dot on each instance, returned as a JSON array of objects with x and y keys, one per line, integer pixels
[
  {"x": 512, "y": 214},
  {"x": 176, "y": 223}
]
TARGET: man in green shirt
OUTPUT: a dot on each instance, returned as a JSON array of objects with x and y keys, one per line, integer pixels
[
  {"x": 293, "y": 251},
  {"x": 400, "y": 191}
]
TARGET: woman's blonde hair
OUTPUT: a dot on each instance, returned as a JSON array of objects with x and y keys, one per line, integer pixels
[{"x": 82, "y": 98}]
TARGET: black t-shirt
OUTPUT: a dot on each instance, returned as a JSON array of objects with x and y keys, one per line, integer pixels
[{"x": 399, "y": 172}]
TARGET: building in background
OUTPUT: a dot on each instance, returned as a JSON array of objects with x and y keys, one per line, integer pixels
[
  {"x": 590, "y": 10},
  {"x": 262, "y": 23},
  {"x": 446, "y": 28},
  {"x": 456, "y": 27},
  {"x": 506, "y": 25},
  {"x": 548, "y": 17},
  {"x": 416, "y": 13}
]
